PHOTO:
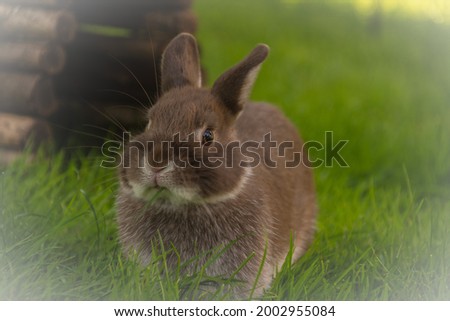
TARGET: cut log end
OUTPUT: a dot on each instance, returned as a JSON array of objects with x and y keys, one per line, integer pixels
[
  {"x": 45, "y": 57},
  {"x": 21, "y": 22},
  {"x": 66, "y": 27},
  {"x": 8, "y": 156},
  {"x": 45, "y": 3},
  {"x": 24, "y": 93},
  {"x": 43, "y": 103},
  {"x": 18, "y": 131},
  {"x": 100, "y": 66},
  {"x": 53, "y": 60}
]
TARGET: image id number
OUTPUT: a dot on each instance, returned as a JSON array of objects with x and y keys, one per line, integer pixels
[{"x": 299, "y": 311}]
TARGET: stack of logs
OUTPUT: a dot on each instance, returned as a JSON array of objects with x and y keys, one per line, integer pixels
[{"x": 70, "y": 66}]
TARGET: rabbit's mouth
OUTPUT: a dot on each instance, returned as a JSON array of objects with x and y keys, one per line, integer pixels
[{"x": 155, "y": 193}]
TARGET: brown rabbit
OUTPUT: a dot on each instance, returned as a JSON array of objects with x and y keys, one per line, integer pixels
[{"x": 171, "y": 190}]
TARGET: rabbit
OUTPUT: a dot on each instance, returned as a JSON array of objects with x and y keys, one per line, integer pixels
[{"x": 171, "y": 195}]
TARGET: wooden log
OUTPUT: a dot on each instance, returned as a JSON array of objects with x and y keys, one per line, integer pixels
[
  {"x": 116, "y": 115},
  {"x": 160, "y": 27},
  {"x": 148, "y": 41},
  {"x": 31, "y": 23},
  {"x": 173, "y": 21},
  {"x": 26, "y": 94},
  {"x": 32, "y": 57},
  {"x": 99, "y": 71},
  {"x": 118, "y": 48},
  {"x": 132, "y": 17},
  {"x": 179, "y": 21},
  {"x": 132, "y": 4},
  {"x": 8, "y": 156},
  {"x": 17, "y": 131},
  {"x": 40, "y": 3}
]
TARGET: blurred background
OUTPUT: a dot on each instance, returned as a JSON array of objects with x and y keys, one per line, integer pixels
[{"x": 373, "y": 72}]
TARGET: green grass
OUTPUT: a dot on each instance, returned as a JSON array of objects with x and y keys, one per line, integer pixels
[{"x": 384, "y": 225}]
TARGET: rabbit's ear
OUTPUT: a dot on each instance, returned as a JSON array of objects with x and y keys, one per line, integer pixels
[
  {"x": 234, "y": 86},
  {"x": 180, "y": 63}
]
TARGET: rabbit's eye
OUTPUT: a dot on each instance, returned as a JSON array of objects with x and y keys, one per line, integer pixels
[{"x": 208, "y": 136}]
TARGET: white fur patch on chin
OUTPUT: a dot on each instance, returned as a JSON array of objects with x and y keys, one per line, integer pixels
[
  {"x": 185, "y": 193},
  {"x": 176, "y": 195}
]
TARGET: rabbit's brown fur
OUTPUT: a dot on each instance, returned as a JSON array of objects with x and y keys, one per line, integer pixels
[{"x": 199, "y": 208}]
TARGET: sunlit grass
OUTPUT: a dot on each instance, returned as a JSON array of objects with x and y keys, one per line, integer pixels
[{"x": 436, "y": 10}]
